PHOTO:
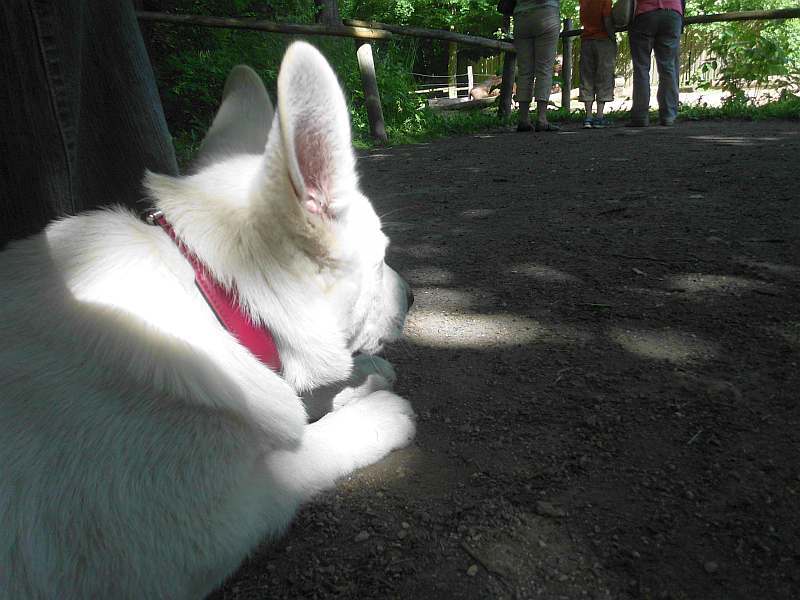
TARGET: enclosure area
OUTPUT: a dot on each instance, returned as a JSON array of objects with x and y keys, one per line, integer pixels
[{"x": 603, "y": 356}]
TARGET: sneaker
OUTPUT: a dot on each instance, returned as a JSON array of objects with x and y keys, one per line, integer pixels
[
  {"x": 600, "y": 123},
  {"x": 587, "y": 123},
  {"x": 667, "y": 122}
]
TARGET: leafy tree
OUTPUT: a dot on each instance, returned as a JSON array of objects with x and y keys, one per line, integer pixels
[{"x": 750, "y": 52}]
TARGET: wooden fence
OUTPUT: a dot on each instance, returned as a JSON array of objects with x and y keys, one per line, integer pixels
[{"x": 369, "y": 31}]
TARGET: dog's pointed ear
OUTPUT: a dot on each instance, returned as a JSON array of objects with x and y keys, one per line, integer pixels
[
  {"x": 315, "y": 128},
  {"x": 243, "y": 121}
]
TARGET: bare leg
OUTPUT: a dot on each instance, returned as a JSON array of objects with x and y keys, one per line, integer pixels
[
  {"x": 541, "y": 111},
  {"x": 524, "y": 113}
]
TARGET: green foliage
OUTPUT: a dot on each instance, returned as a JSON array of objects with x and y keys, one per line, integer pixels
[
  {"x": 750, "y": 53},
  {"x": 477, "y": 17}
]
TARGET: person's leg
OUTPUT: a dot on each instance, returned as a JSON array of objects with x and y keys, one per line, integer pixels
[
  {"x": 79, "y": 111},
  {"x": 585, "y": 92},
  {"x": 604, "y": 75},
  {"x": 586, "y": 88},
  {"x": 667, "y": 49},
  {"x": 545, "y": 42},
  {"x": 523, "y": 42},
  {"x": 641, "y": 36}
]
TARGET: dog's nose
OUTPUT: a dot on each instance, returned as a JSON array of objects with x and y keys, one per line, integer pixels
[{"x": 409, "y": 297}]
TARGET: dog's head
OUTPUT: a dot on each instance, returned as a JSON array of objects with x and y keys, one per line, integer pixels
[{"x": 274, "y": 210}]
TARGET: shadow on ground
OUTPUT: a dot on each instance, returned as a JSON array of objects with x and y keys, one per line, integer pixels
[{"x": 603, "y": 354}]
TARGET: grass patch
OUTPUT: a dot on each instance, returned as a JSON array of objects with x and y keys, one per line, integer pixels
[
  {"x": 433, "y": 125},
  {"x": 739, "y": 106},
  {"x": 442, "y": 124},
  {"x": 425, "y": 125}
]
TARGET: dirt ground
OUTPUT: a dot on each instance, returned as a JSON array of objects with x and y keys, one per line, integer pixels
[{"x": 603, "y": 354}]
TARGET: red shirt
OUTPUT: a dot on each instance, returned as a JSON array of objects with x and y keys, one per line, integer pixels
[
  {"x": 643, "y": 6},
  {"x": 592, "y": 13}
]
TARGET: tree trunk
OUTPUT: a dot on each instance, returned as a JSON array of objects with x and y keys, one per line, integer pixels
[{"x": 328, "y": 12}]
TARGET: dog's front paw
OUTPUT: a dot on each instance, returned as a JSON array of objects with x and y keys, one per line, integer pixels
[
  {"x": 365, "y": 365},
  {"x": 385, "y": 422},
  {"x": 370, "y": 374}
]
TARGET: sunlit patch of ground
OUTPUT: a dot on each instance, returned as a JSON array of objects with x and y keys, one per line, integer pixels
[
  {"x": 438, "y": 330},
  {"x": 670, "y": 345},
  {"x": 703, "y": 283}
]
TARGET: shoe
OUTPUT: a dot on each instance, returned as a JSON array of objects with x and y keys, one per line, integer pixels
[
  {"x": 667, "y": 122},
  {"x": 546, "y": 127},
  {"x": 587, "y": 123},
  {"x": 522, "y": 127},
  {"x": 600, "y": 123}
]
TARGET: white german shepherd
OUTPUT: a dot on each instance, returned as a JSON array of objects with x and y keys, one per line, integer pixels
[{"x": 144, "y": 451}]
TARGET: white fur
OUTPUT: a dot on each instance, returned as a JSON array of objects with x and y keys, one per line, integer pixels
[{"x": 143, "y": 451}]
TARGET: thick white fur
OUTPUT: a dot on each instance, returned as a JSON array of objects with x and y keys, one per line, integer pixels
[{"x": 143, "y": 451}]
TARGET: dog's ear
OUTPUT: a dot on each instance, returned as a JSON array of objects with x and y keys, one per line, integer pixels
[
  {"x": 243, "y": 121},
  {"x": 315, "y": 128}
]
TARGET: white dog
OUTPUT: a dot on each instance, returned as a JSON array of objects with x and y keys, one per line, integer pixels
[{"x": 144, "y": 451}]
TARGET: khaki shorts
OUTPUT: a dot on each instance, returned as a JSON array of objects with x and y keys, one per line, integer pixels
[
  {"x": 597, "y": 70},
  {"x": 535, "y": 38}
]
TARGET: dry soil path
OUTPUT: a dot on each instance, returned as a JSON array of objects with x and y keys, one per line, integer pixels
[{"x": 604, "y": 357}]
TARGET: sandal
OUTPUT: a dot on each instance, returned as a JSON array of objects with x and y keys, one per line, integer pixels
[{"x": 547, "y": 127}]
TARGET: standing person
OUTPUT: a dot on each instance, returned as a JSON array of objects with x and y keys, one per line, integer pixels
[
  {"x": 79, "y": 111},
  {"x": 598, "y": 52},
  {"x": 537, "y": 24},
  {"x": 656, "y": 28}
]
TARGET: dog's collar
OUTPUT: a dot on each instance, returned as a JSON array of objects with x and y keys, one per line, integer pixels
[{"x": 224, "y": 303}]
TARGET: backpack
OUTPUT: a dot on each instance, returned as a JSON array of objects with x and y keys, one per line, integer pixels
[{"x": 622, "y": 14}]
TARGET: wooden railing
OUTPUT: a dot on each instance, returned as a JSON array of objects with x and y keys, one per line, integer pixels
[{"x": 369, "y": 31}]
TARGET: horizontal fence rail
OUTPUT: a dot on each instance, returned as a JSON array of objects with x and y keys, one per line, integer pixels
[
  {"x": 747, "y": 15},
  {"x": 370, "y": 30},
  {"x": 365, "y": 30}
]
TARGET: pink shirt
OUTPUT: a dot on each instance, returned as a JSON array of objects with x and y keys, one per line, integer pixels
[{"x": 643, "y": 6}]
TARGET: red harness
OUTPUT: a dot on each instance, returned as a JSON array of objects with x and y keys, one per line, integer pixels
[{"x": 224, "y": 303}]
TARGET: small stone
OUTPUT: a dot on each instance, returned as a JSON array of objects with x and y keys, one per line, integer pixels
[
  {"x": 472, "y": 570},
  {"x": 404, "y": 525},
  {"x": 362, "y": 537},
  {"x": 402, "y": 534},
  {"x": 711, "y": 567},
  {"x": 548, "y": 510}
]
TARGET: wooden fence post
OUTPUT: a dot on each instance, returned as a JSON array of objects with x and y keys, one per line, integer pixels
[
  {"x": 470, "y": 79},
  {"x": 372, "y": 97},
  {"x": 566, "y": 66},
  {"x": 452, "y": 68},
  {"x": 509, "y": 67}
]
